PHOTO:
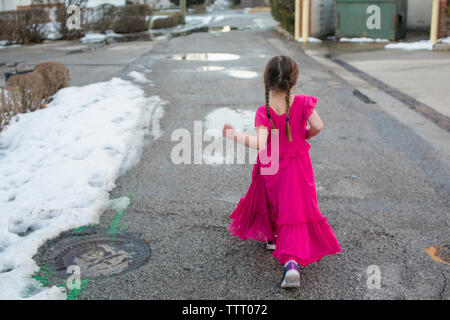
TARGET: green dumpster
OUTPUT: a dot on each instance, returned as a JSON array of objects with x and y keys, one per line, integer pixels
[{"x": 385, "y": 19}]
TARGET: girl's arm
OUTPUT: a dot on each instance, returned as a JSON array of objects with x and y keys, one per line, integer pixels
[
  {"x": 255, "y": 142},
  {"x": 315, "y": 125}
]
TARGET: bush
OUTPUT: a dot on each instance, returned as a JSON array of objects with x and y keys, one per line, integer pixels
[
  {"x": 9, "y": 106},
  {"x": 55, "y": 76},
  {"x": 284, "y": 12},
  {"x": 23, "y": 26},
  {"x": 103, "y": 18},
  {"x": 26, "y": 91},
  {"x": 168, "y": 22},
  {"x": 131, "y": 18}
]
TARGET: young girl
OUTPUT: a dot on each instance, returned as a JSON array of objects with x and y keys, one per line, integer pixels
[{"x": 281, "y": 207}]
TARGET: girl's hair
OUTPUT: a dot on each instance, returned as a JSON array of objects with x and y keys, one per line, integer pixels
[{"x": 280, "y": 75}]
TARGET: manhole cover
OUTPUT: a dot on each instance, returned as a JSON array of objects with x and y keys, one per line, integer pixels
[{"x": 96, "y": 254}]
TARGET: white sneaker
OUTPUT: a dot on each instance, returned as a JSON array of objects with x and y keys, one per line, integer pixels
[
  {"x": 291, "y": 277},
  {"x": 270, "y": 245}
]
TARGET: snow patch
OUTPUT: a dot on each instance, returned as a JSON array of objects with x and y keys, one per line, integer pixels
[
  {"x": 361, "y": 40},
  {"x": 138, "y": 77},
  {"x": 241, "y": 120},
  {"x": 310, "y": 39},
  {"x": 57, "y": 167},
  {"x": 409, "y": 46},
  {"x": 99, "y": 37}
]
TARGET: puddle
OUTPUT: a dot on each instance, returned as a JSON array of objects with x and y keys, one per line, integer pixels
[
  {"x": 221, "y": 29},
  {"x": 205, "y": 57}
]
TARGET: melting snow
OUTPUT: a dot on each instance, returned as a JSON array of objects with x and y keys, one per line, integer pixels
[{"x": 57, "y": 167}]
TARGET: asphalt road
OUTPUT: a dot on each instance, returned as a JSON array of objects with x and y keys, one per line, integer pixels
[{"x": 383, "y": 188}]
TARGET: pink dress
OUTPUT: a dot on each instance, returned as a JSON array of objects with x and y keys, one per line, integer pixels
[{"x": 285, "y": 203}]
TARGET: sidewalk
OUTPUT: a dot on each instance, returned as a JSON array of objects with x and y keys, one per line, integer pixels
[
  {"x": 418, "y": 78},
  {"x": 423, "y": 75}
]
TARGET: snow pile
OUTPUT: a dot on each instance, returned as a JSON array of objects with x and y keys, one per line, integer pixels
[
  {"x": 58, "y": 165},
  {"x": 138, "y": 77},
  {"x": 310, "y": 39},
  {"x": 444, "y": 40},
  {"x": 4, "y": 44},
  {"x": 361, "y": 40},
  {"x": 99, "y": 37},
  {"x": 95, "y": 3},
  {"x": 408, "y": 46}
]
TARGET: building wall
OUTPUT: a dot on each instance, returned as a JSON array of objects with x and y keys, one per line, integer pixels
[
  {"x": 419, "y": 14},
  {"x": 322, "y": 17},
  {"x": 8, "y": 5}
]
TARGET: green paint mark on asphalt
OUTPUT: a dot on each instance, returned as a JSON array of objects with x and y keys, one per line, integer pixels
[
  {"x": 119, "y": 216},
  {"x": 43, "y": 275},
  {"x": 72, "y": 294}
]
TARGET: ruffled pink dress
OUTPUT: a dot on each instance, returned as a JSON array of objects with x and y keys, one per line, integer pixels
[{"x": 284, "y": 204}]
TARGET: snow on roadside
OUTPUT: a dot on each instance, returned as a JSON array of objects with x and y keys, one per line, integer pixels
[
  {"x": 4, "y": 44},
  {"x": 138, "y": 77},
  {"x": 417, "y": 45},
  {"x": 444, "y": 40},
  {"x": 363, "y": 39},
  {"x": 57, "y": 167},
  {"x": 408, "y": 46},
  {"x": 310, "y": 39},
  {"x": 99, "y": 37}
]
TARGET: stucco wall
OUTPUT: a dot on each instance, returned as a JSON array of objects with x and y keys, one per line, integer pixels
[{"x": 419, "y": 14}]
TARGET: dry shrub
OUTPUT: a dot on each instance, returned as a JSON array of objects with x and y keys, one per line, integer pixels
[
  {"x": 29, "y": 89},
  {"x": 168, "y": 22},
  {"x": 23, "y": 26},
  {"x": 101, "y": 18},
  {"x": 131, "y": 18},
  {"x": 55, "y": 76},
  {"x": 9, "y": 106}
]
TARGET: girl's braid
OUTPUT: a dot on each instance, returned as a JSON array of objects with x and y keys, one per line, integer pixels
[
  {"x": 267, "y": 106},
  {"x": 288, "y": 107}
]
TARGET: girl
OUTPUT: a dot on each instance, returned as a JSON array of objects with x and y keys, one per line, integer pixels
[{"x": 281, "y": 207}]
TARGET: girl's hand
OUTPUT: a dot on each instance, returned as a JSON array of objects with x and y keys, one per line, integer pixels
[{"x": 228, "y": 131}]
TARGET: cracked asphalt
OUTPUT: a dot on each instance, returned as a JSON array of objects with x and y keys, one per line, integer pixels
[{"x": 394, "y": 207}]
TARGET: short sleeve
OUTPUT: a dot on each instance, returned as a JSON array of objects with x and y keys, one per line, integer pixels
[
  {"x": 308, "y": 107},
  {"x": 261, "y": 117}
]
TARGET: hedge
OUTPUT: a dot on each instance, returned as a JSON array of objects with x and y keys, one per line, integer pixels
[
  {"x": 284, "y": 12},
  {"x": 23, "y": 26}
]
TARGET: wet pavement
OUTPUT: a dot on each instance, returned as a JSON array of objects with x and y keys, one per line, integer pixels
[{"x": 383, "y": 188}]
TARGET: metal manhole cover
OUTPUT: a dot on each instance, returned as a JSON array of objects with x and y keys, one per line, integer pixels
[{"x": 96, "y": 254}]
